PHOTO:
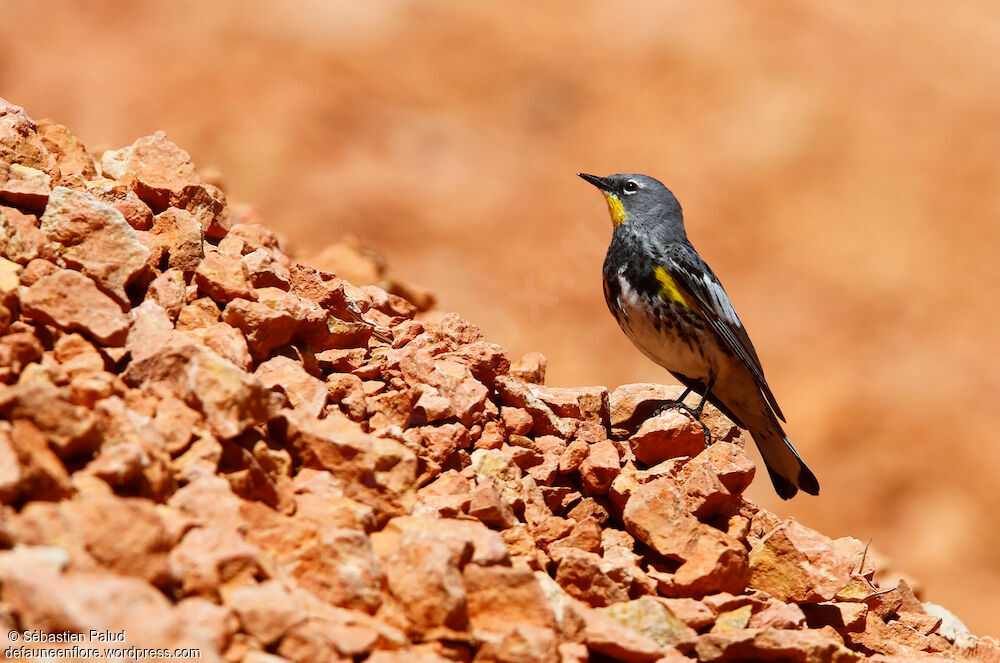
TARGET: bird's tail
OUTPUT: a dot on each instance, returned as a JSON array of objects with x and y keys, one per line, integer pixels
[{"x": 788, "y": 472}]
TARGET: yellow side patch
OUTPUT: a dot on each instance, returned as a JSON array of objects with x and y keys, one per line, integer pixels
[
  {"x": 616, "y": 209},
  {"x": 668, "y": 287}
]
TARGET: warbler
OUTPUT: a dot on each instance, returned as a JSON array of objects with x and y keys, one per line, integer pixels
[{"x": 674, "y": 309}]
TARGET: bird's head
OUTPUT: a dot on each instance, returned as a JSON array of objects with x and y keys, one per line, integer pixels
[{"x": 634, "y": 198}]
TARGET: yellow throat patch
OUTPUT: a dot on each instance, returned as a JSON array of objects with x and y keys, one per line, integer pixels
[
  {"x": 668, "y": 286},
  {"x": 616, "y": 209}
]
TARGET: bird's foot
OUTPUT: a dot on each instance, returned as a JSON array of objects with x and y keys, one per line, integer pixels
[
  {"x": 694, "y": 412},
  {"x": 670, "y": 405}
]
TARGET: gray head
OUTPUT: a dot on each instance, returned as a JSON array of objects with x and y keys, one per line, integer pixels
[{"x": 639, "y": 201}]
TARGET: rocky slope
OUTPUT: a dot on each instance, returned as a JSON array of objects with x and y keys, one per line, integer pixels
[{"x": 206, "y": 445}]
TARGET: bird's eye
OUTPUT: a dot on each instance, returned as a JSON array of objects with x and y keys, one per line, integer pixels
[{"x": 631, "y": 186}]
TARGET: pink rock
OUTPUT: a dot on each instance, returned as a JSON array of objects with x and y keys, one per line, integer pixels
[
  {"x": 70, "y": 301},
  {"x": 95, "y": 239}
]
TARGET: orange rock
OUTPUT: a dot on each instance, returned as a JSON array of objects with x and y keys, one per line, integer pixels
[
  {"x": 24, "y": 186},
  {"x": 265, "y": 272},
  {"x": 713, "y": 480},
  {"x": 795, "y": 563},
  {"x": 530, "y": 368},
  {"x": 230, "y": 399},
  {"x": 585, "y": 576},
  {"x": 70, "y": 301},
  {"x": 710, "y": 559},
  {"x": 225, "y": 341},
  {"x": 198, "y": 313},
  {"x": 162, "y": 175},
  {"x": 521, "y": 643},
  {"x": 769, "y": 644},
  {"x": 670, "y": 434},
  {"x": 340, "y": 568},
  {"x": 46, "y": 601},
  {"x": 779, "y": 615},
  {"x": 127, "y": 536},
  {"x": 21, "y": 240},
  {"x": 490, "y": 507},
  {"x": 95, "y": 239},
  {"x": 304, "y": 392},
  {"x": 630, "y": 404},
  {"x": 448, "y": 495},
  {"x": 600, "y": 468},
  {"x": 690, "y": 611},
  {"x": 67, "y": 428},
  {"x": 515, "y": 393},
  {"x": 182, "y": 238},
  {"x": 424, "y": 574},
  {"x": 75, "y": 163},
  {"x": 605, "y": 635},
  {"x": 375, "y": 471},
  {"x": 77, "y": 355},
  {"x": 651, "y": 618},
  {"x": 499, "y": 597},
  {"x": 487, "y": 546},
  {"x": 223, "y": 278},
  {"x": 584, "y": 403}
]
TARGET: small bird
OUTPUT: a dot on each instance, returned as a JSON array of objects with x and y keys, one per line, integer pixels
[{"x": 674, "y": 309}]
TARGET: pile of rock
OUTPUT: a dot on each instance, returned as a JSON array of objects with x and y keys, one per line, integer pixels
[{"x": 206, "y": 445}]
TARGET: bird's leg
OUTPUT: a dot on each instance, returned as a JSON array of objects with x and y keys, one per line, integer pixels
[
  {"x": 698, "y": 410},
  {"x": 673, "y": 405}
]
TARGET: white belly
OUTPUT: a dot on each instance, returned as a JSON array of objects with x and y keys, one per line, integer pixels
[{"x": 691, "y": 354}]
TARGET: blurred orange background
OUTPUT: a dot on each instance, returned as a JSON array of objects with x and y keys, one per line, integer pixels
[{"x": 838, "y": 163}]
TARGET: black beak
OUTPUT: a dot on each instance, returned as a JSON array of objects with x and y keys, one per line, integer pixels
[{"x": 599, "y": 182}]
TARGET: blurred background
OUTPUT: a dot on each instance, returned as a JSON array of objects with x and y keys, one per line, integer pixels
[{"x": 838, "y": 163}]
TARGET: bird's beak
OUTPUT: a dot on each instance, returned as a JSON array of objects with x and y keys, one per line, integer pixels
[{"x": 599, "y": 182}]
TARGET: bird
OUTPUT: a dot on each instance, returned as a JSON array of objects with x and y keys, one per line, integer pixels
[{"x": 673, "y": 308}]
